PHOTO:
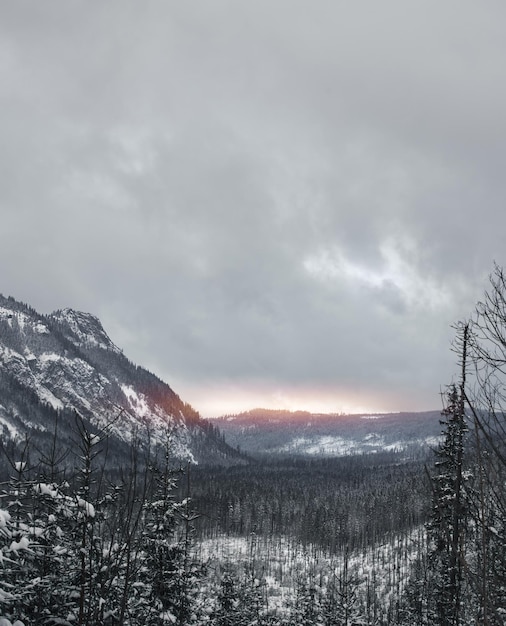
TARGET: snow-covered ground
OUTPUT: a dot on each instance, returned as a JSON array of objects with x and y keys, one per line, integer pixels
[
  {"x": 329, "y": 445},
  {"x": 381, "y": 570}
]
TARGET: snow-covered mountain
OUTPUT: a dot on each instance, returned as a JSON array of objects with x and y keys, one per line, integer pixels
[
  {"x": 53, "y": 365},
  {"x": 286, "y": 433}
]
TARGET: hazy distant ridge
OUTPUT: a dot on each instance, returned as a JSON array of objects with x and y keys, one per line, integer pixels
[{"x": 278, "y": 432}]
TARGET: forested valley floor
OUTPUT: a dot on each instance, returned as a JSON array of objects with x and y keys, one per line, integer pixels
[
  {"x": 315, "y": 541},
  {"x": 290, "y": 541},
  {"x": 279, "y": 541}
]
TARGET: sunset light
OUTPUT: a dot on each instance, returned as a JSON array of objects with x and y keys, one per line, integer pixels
[{"x": 222, "y": 399}]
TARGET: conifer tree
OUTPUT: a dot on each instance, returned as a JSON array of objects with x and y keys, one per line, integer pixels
[
  {"x": 348, "y": 609},
  {"x": 95, "y": 554},
  {"x": 168, "y": 574},
  {"x": 448, "y": 522}
]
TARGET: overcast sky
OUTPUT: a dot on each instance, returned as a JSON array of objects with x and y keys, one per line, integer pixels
[{"x": 276, "y": 203}]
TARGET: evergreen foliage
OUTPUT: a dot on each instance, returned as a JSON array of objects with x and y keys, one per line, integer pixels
[
  {"x": 448, "y": 523},
  {"x": 90, "y": 552}
]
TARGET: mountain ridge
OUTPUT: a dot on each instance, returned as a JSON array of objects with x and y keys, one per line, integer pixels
[
  {"x": 65, "y": 361},
  {"x": 278, "y": 432}
]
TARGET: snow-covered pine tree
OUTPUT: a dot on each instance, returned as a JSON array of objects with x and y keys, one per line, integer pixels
[
  {"x": 348, "y": 607},
  {"x": 447, "y": 525},
  {"x": 95, "y": 553},
  {"x": 33, "y": 554},
  {"x": 307, "y": 610},
  {"x": 167, "y": 574},
  {"x": 227, "y": 611}
]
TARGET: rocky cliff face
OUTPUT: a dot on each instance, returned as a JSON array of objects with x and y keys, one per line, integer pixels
[{"x": 52, "y": 366}]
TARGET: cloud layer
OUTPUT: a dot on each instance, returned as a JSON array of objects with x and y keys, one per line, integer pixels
[{"x": 279, "y": 203}]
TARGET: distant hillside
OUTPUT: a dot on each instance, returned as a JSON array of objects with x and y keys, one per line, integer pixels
[
  {"x": 54, "y": 365},
  {"x": 268, "y": 432}
]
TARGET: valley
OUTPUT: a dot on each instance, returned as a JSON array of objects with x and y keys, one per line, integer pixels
[{"x": 120, "y": 504}]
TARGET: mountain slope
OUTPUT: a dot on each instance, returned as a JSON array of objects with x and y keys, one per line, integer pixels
[
  {"x": 53, "y": 365},
  {"x": 271, "y": 432}
]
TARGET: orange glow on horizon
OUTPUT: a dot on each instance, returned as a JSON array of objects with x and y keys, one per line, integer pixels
[{"x": 222, "y": 399}]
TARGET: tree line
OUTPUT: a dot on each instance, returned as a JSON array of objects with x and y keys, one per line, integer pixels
[{"x": 348, "y": 502}]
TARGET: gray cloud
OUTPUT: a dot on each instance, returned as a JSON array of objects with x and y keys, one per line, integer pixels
[{"x": 269, "y": 201}]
